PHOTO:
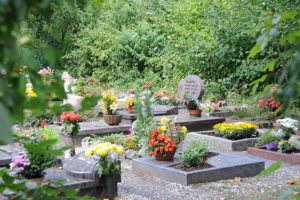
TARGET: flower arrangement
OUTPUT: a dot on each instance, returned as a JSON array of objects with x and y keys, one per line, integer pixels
[
  {"x": 189, "y": 102},
  {"x": 288, "y": 123},
  {"x": 107, "y": 157},
  {"x": 71, "y": 123},
  {"x": 286, "y": 146},
  {"x": 271, "y": 104},
  {"x": 207, "y": 107},
  {"x": 129, "y": 102},
  {"x": 110, "y": 105},
  {"x": 172, "y": 100},
  {"x": 236, "y": 131},
  {"x": 30, "y": 93},
  {"x": 130, "y": 142},
  {"x": 166, "y": 138},
  {"x": 46, "y": 74}
]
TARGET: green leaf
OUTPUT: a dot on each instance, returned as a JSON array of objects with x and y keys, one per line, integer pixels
[
  {"x": 270, "y": 66},
  {"x": 58, "y": 88},
  {"x": 5, "y": 124},
  {"x": 270, "y": 169},
  {"x": 58, "y": 109},
  {"x": 288, "y": 15},
  {"x": 292, "y": 37},
  {"x": 254, "y": 51}
]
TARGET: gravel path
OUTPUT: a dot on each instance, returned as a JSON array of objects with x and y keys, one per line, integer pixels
[{"x": 267, "y": 187}]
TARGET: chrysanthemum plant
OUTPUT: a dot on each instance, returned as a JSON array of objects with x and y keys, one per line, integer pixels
[
  {"x": 166, "y": 138},
  {"x": 71, "y": 123},
  {"x": 110, "y": 105},
  {"x": 236, "y": 131},
  {"x": 107, "y": 158}
]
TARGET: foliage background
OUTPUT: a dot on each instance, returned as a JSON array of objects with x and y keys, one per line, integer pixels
[{"x": 124, "y": 43}]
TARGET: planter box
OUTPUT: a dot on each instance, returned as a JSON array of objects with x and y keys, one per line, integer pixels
[
  {"x": 293, "y": 158},
  {"x": 225, "y": 166},
  {"x": 222, "y": 144}
]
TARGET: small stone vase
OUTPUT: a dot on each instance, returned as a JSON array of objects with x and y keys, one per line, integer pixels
[{"x": 111, "y": 186}]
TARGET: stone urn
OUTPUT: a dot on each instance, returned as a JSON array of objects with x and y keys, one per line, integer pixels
[
  {"x": 112, "y": 119},
  {"x": 195, "y": 113}
]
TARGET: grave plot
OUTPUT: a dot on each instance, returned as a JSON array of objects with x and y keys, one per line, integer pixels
[
  {"x": 222, "y": 144},
  {"x": 194, "y": 123},
  {"x": 98, "y": 128},
  {"x": 223, "y": 166},
  {"x": 293, "y": 158}
]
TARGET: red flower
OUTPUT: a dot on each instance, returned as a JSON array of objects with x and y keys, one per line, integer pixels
[
  {"x": 150, "y": 153},
  {"x": 42, "y": 137},
  {"x": 43, "y": 124},
  {"x": 278, "y": 105}
]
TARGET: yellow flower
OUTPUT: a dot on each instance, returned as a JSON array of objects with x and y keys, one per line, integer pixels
[
  {"x": 25, "y": 66},
  {"x": 164, "y": 120},
  {"x": 119, "y": 150},
  {"x": 175, "y": 119},
  {"x": 129, "y": 102},
  {"x": 184, "y": 129},
  {"x": 114, "y": 106},
  {"x": 162, "y": 128},
  {"x": 281, "y": 142},
  {"x": 89, "y": 152},
  {"x": 101, "y": 152}
]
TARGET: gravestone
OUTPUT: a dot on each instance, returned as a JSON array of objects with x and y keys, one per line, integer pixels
[{"x": 192, "y": 84}]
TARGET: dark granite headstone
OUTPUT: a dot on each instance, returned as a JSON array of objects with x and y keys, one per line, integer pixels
[{"x": 192, "y": 84}]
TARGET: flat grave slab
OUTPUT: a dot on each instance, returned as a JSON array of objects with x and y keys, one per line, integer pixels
[
  {"x": 222, "y": 144},
  {"x": 225, "y": 166},
  {"x": 293, "y": 158},
  {"x": 202, "y": 123},
  {"x": 99, "y": 128},
  {"x": 7, "y": 152},
  {"x": 158, "y": 110}
]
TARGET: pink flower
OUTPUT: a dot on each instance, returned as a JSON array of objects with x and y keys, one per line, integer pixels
[
  {"x": 126, "y": 136},
  {"x": 176, "y": 99},
  {"x": 131, "y": 130},
  {"x": 187, "y": 102},
  {"x": 181, "y": 98}
]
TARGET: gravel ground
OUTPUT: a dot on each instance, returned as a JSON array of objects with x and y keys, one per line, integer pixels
[{"x": 264, "y": 188}]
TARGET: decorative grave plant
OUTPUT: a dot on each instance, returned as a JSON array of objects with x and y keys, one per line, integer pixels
[
  {"x": 191, "y": 104},
  {"x": 129, "y": 104},
  {"x": 166, "y": 139},
  {"x": 236, "y": 131},
  {"x": 107, "y": 162},
  {"x": 110, "y": 109},
  {"x": 71, "y": 122}
]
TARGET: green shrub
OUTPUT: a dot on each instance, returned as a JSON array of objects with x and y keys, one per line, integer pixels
[
  {"x": 38, "y": 161},
  {"x": 49, "y": 133},
  {"x": 195, "y": 153},
  {"x": 34, "y": 120},
  {"x": 267, "y": 138}
]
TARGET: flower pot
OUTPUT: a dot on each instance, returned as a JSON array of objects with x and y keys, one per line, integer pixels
[
  {"x": 111, "y": 186},
  {"x": 112, "y": 119},
  {"x": 271, "y": 146},
  {"x": 216, "y": 104},
  {"x": 38, "y": 181},
  {"x": 170, "y": 156},
  {"x": 195, "y": 113},
  {"x": 131, "y": 109}
]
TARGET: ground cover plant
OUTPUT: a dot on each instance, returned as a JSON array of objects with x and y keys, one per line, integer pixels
[{"x": 236, "y": 131}]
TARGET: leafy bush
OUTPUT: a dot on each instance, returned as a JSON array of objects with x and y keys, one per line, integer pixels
[
  {"x": 267, "y": 137},
  {"x": 49, "y": 133},
  {"x": 286, "y": 146},
  {"x": 34, "y": 120},
  {"x": 195, "y": 153},
  {"x": 38, "y": 161}
]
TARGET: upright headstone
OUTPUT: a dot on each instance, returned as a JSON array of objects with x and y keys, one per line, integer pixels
[{"x": 193, "y": 85}]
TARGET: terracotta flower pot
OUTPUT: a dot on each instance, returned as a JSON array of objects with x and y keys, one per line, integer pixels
[
  {"x": 170, "y": 156},
  {"x": 131, "y": 109},
  {"x": 113, "y": 119},
  {"x": 195, "y": 113},
  {"x": 216, "y": 105}
]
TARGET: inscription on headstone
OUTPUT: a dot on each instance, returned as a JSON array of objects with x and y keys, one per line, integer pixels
[{"x": 192, "y": 84}]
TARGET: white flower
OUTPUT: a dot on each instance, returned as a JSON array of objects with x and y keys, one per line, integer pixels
[{"x": 288, "y": 123}]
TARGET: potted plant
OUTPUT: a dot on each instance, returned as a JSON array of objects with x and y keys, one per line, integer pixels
[
  {"x": 71, "y": 127},
  {"x": 107, "y": 162},
  {"x": 166, "y": 139},
  {"x": 110, "y": 108},
  {"x": 192, "y": 105},
  {"x": 129, "y": 104}
]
